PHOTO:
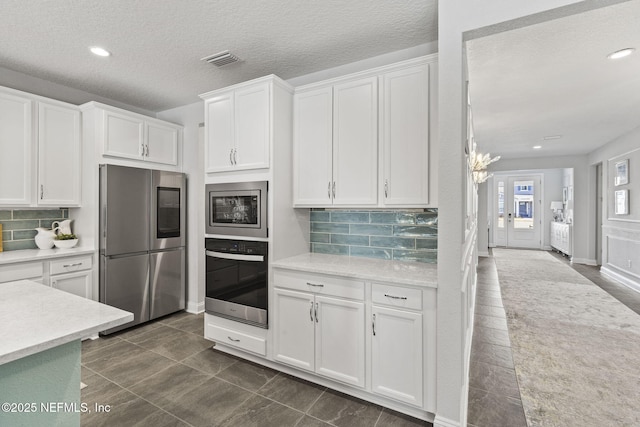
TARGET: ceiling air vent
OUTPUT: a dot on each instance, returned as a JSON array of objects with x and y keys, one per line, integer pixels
[{"x": 220, "y": 59}]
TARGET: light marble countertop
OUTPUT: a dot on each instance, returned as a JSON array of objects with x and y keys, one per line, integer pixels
[
  {"x": 24, "y": 255},
  {"x": 400, "y": 272},
  {"x": 35, "y": 317}
]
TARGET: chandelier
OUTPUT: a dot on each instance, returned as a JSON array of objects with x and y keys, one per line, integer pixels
[{"x": 478, "y": 164}]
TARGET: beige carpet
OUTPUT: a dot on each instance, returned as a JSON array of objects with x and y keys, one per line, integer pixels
[{"x": 576, "y": 349}]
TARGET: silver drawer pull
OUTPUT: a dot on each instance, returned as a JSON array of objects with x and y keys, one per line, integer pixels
[
  {"x": 317, "y": 285},
  {"x": 233, "y": 339},
  {"x": 75, "y": 264},
  {"x": 394, "y": 297},
  {"x": 373, "y": 325}
]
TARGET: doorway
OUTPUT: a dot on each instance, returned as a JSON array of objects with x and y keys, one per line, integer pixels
[{"x": 517, "y": 213}]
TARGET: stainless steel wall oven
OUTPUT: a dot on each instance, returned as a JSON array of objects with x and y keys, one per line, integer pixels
[
  {"x": 236, "y": 280},
  {"x": 237, "y": 209}
]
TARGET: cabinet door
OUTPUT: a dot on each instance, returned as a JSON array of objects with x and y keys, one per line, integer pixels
[
  {"x": 59, "y": 159},
  {"x": 123, "y": 136},
  {"x": 219, "y": 133},
  {"x": 74, "y": 283},
  {"x": 162, "y": 144},
  {"x": 312, "y": 139},
  {"x": 405, "y": 136},
  {"x": 355, "y": 142},
  {"x": 340, "y": 335},
  {"x": 252, "y": 130},
  {"x": 16, "y": 142},
  {"x": 397, "y": 354},
  {"x": 293, "y": 334}
]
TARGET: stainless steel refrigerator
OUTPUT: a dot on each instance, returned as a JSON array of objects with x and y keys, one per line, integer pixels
[{"x": 142, "y": 241}]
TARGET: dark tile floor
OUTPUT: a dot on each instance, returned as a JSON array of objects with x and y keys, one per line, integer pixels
[
  {"x": 494, "y": 395},
  {"x": 166, "y": 374}
]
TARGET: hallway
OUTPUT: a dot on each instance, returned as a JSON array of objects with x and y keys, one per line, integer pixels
[{"x": 494, "y": 393}]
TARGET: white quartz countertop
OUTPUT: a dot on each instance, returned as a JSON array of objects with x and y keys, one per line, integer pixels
[
  {"x": 400, "y": 272},
  {"x": 35, "y": 317},
  {"x": 24, "y": 255}
]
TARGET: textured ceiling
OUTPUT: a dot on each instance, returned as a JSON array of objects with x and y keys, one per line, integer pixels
[
  {"x": 156, "y": 45},
  {"x": 554, "y": 78}
]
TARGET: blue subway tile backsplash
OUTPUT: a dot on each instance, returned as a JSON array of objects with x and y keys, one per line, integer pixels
[
  {"x": 18, "y": 225},
  {"x": 406, "y": 235}
]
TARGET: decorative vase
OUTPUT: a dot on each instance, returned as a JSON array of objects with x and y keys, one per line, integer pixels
[
  {"x": 44, "y": 238},
  {"x": 63, "y": 227}
]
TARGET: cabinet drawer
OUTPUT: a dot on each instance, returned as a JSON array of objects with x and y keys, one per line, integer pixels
[
  {"x": 396, "y": 296},
  {"x": 237, "y": 339},
  {"x": 13, "y": 272},
  {"x": 69, "y": 265},
  {"x": 318, "y": 284}
]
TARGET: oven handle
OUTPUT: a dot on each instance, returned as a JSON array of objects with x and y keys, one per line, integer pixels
[{"x": 238, "y": 257}]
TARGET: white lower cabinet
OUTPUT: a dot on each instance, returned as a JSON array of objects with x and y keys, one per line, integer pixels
[
  {"x": 22, "y": 271},
  {"x": 72, "y": 274},
  {"x": 320, "y": 333},
  {"x": 74, "y": 283},
  {"x": 397, "y": 343},
  {"x": 396, "y": 354},
  {"x": 235, "y": 338}
]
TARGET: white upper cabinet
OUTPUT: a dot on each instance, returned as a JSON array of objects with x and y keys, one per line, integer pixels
[
  {"x": 219, "y": 132},
  {"x": 162, "y": 143},
  {"x": 59, "y": 157},
  {"x": 16, "y": 146},
  {"x": 336, "y": 145},
  {"x": 121, "y": 134},
  {"x": 313, "y": 149},
  {"x": 355, "y": 143},
  {"x": 239, "y": 124},
  {"x": 404, "y": 131},
  {"x": 252, "y": 127},
  {"x": 374, "y": 126},
  {"x": 40, "y": 144}
]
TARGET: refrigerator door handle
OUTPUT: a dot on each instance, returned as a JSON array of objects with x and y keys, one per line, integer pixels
[{"x": 238, "y": 257}]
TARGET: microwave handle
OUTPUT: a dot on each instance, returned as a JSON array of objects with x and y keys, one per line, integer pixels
[{"x": 238, "y": 257}]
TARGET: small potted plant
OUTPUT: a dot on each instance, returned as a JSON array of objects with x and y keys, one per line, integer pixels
[{"x": 65, "y": 241}]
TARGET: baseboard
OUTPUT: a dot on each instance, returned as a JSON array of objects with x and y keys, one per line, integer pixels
[
  {"x": 444, "y": 422},
  {"x": 618, "y": 277},
  {"x": 585, "y": 261},
  {"x": 483, "y": 253},
  {"x": 195, "y": 308}
]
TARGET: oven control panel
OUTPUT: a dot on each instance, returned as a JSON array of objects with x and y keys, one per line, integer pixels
[{"x": 236, "y": 246}]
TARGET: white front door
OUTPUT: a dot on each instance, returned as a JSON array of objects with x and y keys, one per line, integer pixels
[{"x": 517, "y": 210}]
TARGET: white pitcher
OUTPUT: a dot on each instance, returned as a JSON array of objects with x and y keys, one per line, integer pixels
[
  {"x": 44, "y": 238},
  {"x": 63, "y": 227}
]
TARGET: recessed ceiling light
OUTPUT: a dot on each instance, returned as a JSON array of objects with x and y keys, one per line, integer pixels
[
  {"x": 621, "y": 53},
  {"x": 97, "y": 50},
  {"x": 550, "y": 137},
  {"x": 537, "y": 147}
]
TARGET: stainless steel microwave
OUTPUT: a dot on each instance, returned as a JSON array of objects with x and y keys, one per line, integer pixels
[{"x": 237, "y": 209}]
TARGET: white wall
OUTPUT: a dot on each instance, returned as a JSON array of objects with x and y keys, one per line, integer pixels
[
  {"x": 457, "y": 20},
  {"x": 620, "y": 233},
  {"x": 191, "y": 116}
]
